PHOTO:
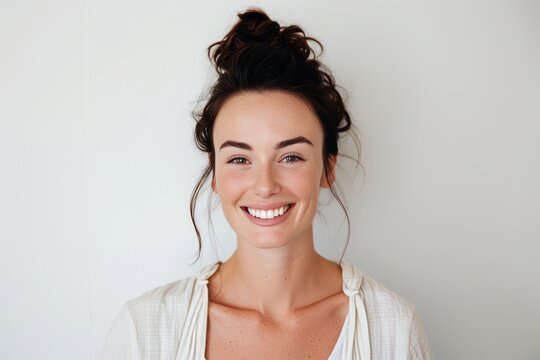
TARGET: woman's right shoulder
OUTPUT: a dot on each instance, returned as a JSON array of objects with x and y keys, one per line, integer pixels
[
  {"x": 153, "y": 322},
  {"x": 171, "y": 295},
  {"x": 172, "y": 300}
]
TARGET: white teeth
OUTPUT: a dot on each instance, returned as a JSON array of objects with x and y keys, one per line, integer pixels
[{"x": 268, "y": 214}]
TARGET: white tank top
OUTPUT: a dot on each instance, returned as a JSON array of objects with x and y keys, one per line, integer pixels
[{"x": 338, "y": 348}]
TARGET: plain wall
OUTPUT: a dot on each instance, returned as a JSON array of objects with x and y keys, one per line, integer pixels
[{"x": 97, "y": 161}]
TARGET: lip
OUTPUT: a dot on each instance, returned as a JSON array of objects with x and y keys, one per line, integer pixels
[{"x": 268, "y": 222}]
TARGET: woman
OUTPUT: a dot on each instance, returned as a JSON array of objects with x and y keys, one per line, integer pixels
[{"x": 270, "y": 129}]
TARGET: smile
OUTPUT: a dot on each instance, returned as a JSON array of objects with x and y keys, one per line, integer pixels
[
  {"x": 267, "y": 214},
  {"x": 268, "y": 217}
]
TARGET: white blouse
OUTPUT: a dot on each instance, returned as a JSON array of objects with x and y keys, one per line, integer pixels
[{"x": 170, "y": 322}]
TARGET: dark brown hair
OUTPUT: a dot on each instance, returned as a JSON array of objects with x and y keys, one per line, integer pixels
[{"x": 258, "y": 54}]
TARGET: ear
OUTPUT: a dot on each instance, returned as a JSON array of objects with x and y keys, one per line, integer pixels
[{"x": 329, "y": 178}]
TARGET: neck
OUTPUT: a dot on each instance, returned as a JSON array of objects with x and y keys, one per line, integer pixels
[{"x": 276, "y": 282}]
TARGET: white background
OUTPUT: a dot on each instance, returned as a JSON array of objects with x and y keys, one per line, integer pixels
[{"x": 97, "y": 161}]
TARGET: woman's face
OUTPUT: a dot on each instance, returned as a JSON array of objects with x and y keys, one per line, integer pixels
[{"x": 268, "y": 167}]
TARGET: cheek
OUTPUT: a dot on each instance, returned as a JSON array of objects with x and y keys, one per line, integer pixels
[
  {"x": 305, "y": 184},
  {"x": 300, "y": 182},
  {"x": 228, "y": 185}
]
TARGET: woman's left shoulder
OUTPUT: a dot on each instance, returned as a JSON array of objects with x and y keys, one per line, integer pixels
[
  {"x": 393, "y": 321},
  {"x": 375, "y": 294}
]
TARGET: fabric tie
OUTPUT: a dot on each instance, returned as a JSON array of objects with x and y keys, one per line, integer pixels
[{"x": 357, "y": 344}]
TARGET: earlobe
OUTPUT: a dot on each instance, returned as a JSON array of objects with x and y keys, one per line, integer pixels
[
  {"x": 214, "y": 184},
  {"x": 329, "y": 178}
]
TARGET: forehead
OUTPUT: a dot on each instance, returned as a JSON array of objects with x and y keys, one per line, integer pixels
[{"x": 255, "y": 117}]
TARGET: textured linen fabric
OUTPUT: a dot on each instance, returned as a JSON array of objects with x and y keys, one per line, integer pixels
[{"x": 169, "y": 322}]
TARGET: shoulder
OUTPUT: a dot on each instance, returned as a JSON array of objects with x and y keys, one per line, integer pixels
[
  {"x": 170, "y": 295},
  {"x": 393, "y": 321},
  {"x": 173, "y": 299},
  {"x": 153, "y": 323},
  {"x": 159, "y": 309},
  {"x": 144, "y": 323},
  {"x": 377, "y": 297},
  {"x": 385, "y": 300}
]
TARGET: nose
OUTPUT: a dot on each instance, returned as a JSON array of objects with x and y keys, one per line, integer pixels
[{"x": 266, "y": 183}]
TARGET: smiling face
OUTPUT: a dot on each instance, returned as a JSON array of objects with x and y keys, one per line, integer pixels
[{"x": 268, "y": 167}]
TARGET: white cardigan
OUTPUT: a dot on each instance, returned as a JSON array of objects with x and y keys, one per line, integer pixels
[{"x": 169, "y": 322}]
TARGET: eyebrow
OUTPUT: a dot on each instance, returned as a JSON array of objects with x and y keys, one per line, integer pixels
[{"x": 280, "y": 145}]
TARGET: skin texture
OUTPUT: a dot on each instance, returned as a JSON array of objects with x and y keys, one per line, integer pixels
[{"x": 275, "y": 298}]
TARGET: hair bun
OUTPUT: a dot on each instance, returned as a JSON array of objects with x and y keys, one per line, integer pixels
[
  {"x": 255, "y": 25},
  {"x": 256, "y": 30}
]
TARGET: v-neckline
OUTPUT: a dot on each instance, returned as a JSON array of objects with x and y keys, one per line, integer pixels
[{"x": 209, "y": 271}]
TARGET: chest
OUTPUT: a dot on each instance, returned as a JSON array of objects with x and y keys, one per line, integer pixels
[{"x": 311, "y": 335}]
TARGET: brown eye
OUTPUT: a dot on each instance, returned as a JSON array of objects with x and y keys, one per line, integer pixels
[{"x": 237, "y": 160}]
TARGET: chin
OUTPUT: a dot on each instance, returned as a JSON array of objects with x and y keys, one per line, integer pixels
[{"x": 267, "y": 241}]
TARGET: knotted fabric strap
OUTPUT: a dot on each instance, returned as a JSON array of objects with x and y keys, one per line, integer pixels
[
  {"x": 192, "y": 344},
  {"x": 357, "y": 344}
]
